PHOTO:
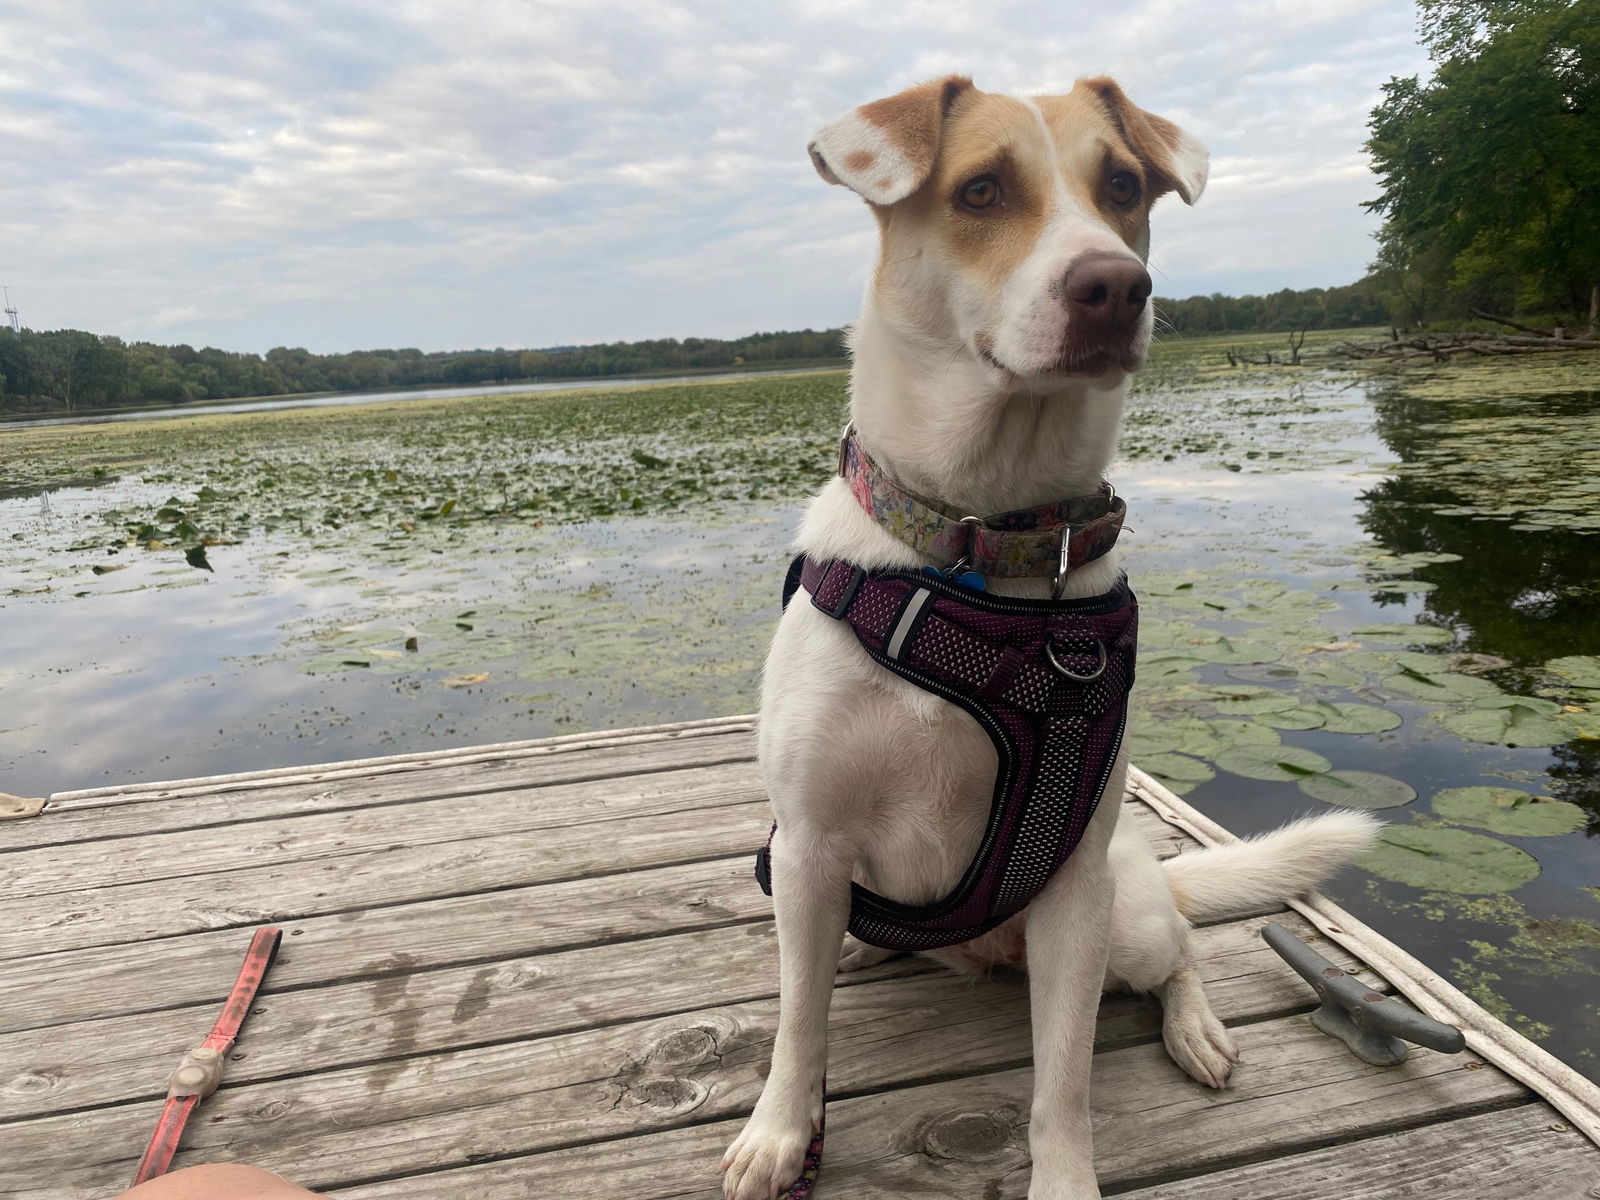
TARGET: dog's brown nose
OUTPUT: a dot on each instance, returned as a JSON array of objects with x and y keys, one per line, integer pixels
[{"x": 1105, "y": 293}]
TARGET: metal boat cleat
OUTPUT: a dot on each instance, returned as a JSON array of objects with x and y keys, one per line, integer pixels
[{"x": 1375, "y": 1027}]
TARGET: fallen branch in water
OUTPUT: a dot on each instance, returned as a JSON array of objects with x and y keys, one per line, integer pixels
[{"x": 1444, "y": 347}]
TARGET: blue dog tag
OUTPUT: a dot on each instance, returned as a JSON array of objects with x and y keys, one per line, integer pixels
[{"x": 967, "y": 579}]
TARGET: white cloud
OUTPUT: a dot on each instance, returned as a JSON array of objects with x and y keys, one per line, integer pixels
[{"x": 364, "y": 172}]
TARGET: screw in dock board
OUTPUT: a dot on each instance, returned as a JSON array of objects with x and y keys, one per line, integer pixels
[{"x": 1370, "y": 1023}]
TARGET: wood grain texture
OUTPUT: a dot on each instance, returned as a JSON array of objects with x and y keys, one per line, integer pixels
[
  {"x": 170, "y": 972},
  {"x": 201, "y": 806},
  {"x": 175, "y": 972},
  {"x": 1525, "y": 1153},
  {"x": 376, "y": 877},
  {"x": 592, "y": 1084},
  {"x": 967, "y": 1137},
  {"x": 133, "y": 793},
  {"x": 398, "y": 1010},
  {"x": 307, "y": 837}
]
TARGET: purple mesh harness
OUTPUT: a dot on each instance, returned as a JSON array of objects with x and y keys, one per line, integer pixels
[{"x": 1047, "y": 679}]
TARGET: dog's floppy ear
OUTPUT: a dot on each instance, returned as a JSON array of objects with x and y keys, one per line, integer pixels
[
  {"x": 1178, "y": 159},
  {"x": 885, "y": 150}
]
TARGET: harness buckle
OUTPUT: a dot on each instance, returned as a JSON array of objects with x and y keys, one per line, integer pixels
[{"x": 847, "y": 598}]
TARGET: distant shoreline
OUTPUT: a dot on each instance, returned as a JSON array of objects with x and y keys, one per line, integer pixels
[{"x": 17, "y": 418}]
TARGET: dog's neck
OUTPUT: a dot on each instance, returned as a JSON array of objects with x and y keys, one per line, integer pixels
[{"x": 936, "y": 420}]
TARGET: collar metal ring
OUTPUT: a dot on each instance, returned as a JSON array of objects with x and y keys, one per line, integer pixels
[
  {"x": 1063, "y": 563},
  {"x": 1050, "y": 653}
]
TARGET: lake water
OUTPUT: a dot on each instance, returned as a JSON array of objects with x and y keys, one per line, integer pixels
[{"x": 1356, "y": 589}]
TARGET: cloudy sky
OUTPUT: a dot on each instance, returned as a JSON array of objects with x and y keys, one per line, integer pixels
[{"x": 341, "y": 174}]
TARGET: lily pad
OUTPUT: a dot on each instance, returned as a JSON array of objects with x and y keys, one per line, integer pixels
[
  {"x": 1585, "y": 726},
  {"x": 1415, "y": 635},
  {"x": 1507, "y": 810},
  {"x": 1510, "y": 721},
  {"x": 1332, "y": 675},
  {"x": 1231, "y": 650},
  {"x": 1247, "y": 701},
  {"x": 1293, "y": 718},
  {"x": 1270, "y": 673},
  {"x": 1359, "y": 789},
  {"x": 1279, "y": 763},
  {"x": 1583, "y": 670},
  {"x": 1345, "y": 716},
  {"x": 1177, "y": 771},
  {"x": 1442, "y": 688},
  {"x": 1450, "y": 860},
  {"x": 1166, "y": 666},
  {"x": 1152, "y": 736},
  {"x": 1243, "y": 733},
  {"x": 1408, "y": 586}
]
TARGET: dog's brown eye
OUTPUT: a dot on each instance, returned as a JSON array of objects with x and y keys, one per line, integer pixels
[
  {"x": 1124, "y": 188},
  {"x": 982, "y": 192}
]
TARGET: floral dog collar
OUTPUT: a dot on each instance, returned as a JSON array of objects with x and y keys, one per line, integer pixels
[{"x": 1045, "y": 541}]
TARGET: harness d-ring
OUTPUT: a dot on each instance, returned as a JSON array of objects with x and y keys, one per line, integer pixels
[{"x": 1050, "y": 653}]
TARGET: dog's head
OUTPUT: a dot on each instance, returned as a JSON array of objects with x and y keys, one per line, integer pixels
[{"x": 1015, "y": 230}]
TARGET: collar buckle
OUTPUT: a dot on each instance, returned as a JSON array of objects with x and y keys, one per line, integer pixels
[
  {"x": 1063, "y": 563},
  {"x": 964, "y": 561}
]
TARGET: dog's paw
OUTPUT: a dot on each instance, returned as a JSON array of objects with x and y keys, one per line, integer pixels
[
  {"x": 858, "y": 956},
  {"x": 1201, "y": 1045},
  {"x": 763, "y": 1161}
]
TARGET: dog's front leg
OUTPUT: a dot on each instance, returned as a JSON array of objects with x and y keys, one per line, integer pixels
[
  {"x": 811, "y": 899},
  {"x": 1069, "y": 938}
]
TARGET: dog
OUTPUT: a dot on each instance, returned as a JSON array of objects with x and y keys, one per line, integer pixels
[{"x": 1009, "y": 304}]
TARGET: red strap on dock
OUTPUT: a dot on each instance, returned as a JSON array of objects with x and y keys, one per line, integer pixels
[{"x": 200, "y": 1071}]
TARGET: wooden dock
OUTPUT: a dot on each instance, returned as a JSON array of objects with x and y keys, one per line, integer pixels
[{"x": 543, "y": 970}]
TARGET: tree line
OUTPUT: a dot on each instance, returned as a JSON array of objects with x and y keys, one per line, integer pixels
[
  {"x": 69, "y": 369},
  {"x": 1490, "y": 167}
]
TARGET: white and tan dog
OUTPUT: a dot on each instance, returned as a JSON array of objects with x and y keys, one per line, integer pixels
[{"x": 991, "y": 357}]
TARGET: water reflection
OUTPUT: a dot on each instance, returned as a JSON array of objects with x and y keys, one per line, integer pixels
[{"x": 1523, "y": 595}]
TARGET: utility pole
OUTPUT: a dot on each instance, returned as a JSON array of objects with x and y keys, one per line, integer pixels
[{"x": 11, "y": 314}]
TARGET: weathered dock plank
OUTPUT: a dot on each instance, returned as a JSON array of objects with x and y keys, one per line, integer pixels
[
  {"x": 968, "y": 1137},
  {"x": 174, "y": 972},
  {"x": 596, "y": 1085},
  {"x": 396, "y": 1010},
  {"x": 309, "y": 837},
  {"x": 374, "y": 878},
  {"x": 261, "y": 797},
  {"x": 170, "y": 972},
  {"x": 1524, "y": 1153}
]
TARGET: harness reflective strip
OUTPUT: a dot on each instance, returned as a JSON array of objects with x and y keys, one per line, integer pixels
[
  {"x": 907, "y": 622},
  {"x": 200, "y": 1071}
]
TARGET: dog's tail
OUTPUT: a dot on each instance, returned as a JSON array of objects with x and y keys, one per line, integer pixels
[{"x": 1222, "y": 880}]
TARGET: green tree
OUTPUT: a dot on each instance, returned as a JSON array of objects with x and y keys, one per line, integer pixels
[{"x": 1491, "y": 168}]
